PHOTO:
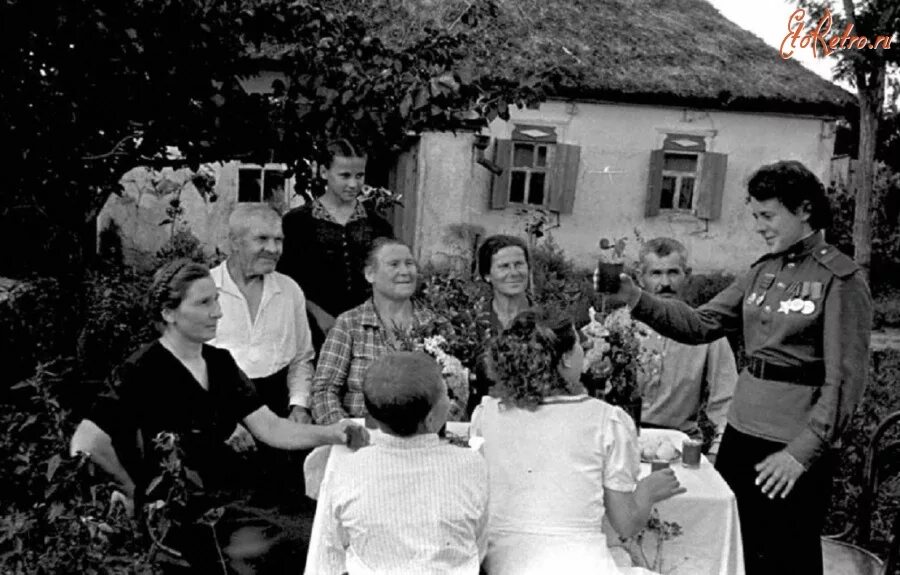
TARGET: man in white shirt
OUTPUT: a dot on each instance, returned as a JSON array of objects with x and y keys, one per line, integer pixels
[
  {"x": 264, "y": 323},
  {"x": 412, "y": 502},
  {"x": 686, "y": 374}
]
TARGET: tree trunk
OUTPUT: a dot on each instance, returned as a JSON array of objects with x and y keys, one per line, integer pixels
[{"x": 871, "y": 99}]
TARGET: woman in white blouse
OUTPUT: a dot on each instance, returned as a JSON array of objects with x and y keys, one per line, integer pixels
[{"x": 558, "y": 460}]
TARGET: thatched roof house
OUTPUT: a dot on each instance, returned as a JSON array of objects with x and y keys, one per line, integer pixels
[{"x": 663, "y": 52}]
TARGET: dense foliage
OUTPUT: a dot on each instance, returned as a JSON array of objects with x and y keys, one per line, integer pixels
[{"x": 98, "y": 87}]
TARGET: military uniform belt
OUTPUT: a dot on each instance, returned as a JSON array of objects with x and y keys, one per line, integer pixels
[{"x": 811, "y": 374}]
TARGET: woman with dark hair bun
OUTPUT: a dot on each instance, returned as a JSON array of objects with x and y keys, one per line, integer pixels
[
  {"x": 558, "y": 460},
  {"x": 805, "y": 313},
  {"x": 504, "y": 263},
  {"x": 180, "y": 385}
]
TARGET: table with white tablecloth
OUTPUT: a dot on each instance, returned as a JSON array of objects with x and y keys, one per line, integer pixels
[
  {"x": 710, "y": 539},
  {"x": 709, "y": 542}
]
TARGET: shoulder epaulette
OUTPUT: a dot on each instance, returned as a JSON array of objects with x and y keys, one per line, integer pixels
[{"x": 835, "y": 261}]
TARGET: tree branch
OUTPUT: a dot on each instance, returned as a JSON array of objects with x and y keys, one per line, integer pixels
[{"x": 115, "y": 149}]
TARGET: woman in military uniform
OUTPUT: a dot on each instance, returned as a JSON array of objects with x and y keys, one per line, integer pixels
[{"x": 805, "y": 313}]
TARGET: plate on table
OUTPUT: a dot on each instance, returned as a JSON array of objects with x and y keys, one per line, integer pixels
[{"x": 658, "y": 447}]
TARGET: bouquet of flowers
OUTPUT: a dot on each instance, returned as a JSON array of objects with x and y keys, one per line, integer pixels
[
  {"x": 618, "y": 360},
  {"x": 428, "y": 339},
  {"x": 455, "y": 375}
]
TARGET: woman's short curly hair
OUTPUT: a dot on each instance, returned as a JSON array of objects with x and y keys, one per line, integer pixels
[
  {"x": 170, "y": 285},
  {"x": 525, "y": 358},
  {"x": 794, "y": 185}
]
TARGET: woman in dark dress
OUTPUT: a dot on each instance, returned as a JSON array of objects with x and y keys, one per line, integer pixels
[
  {"x": 505, "y": 264},
  {"x": 180, "y": 385}
]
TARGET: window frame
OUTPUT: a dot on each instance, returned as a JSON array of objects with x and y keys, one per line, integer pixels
[
  {"x": 546, "y": 170},
  {"x": 679, "y": 178},
  {"x": 288, "y": 183}
]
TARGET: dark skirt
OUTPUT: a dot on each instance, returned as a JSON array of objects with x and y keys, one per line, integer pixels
[{"x": 779, "y": 535}]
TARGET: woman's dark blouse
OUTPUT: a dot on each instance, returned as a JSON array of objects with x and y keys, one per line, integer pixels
[
  {"x": 327, "y": 258},
  {"x": 153, "y": 392}
]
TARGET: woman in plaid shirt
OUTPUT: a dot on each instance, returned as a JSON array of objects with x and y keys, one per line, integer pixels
[{"x": 364, "y": 333}]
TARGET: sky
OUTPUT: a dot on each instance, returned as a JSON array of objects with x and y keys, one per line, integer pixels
[{"x": 768, "y": 19}]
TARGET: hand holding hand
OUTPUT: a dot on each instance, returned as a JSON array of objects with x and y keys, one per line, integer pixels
[
  {"x": 778, "y": 473},
  {"x": 300, "y": 414},
  {"x": 350, "y": 434},
  {"x": 241, "y": 440},
  {"x": 659, "y": 486}
]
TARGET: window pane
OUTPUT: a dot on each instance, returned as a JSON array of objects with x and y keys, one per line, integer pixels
[
  {"x": 541, "y": 157},
  {"x": 273, "y": 186},
  {"x": 523, "y": 155},
  {"x": 686, "y": 194},
  {"x": 536, "y": 189},
  {"x": 517, "y": 187},
  {"x": 249, "y": 185},
  {"x": 680, "y": 163},
  {"x": 667, "y": 193}
]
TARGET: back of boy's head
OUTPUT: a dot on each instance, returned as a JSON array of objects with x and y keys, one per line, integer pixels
[{"x": 400, "y": 389}]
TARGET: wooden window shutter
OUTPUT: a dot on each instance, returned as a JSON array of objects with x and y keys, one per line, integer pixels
[
  {"x": 654, "y": 184},
  {"x": 563, "y": 183},
  {"x": 712, "y": 185},
  {"x": 500, "y": 183}
]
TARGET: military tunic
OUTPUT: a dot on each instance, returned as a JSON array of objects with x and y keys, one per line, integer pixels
[{"x": 806, "y": 316}]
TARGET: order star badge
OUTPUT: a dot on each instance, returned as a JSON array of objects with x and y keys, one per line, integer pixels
[{"x": 784, "y": 307}]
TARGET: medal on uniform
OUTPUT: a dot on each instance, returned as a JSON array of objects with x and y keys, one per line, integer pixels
[
  {"x": 751, "y": 298},
  {"x": 805, "y": 290},
  {"x": 795, "y": 304},
  {"x": 808, "y": 307},
  {"x": 784, "y": 307},
  {"x": 815, "y": 290},
  {"x": 764, "y": 285}
]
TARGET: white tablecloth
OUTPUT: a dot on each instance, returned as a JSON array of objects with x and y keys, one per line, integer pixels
[{"x": 710, "y": 542}]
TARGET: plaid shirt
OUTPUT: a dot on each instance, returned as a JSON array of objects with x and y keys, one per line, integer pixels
[{"x": 357, "y": 339}]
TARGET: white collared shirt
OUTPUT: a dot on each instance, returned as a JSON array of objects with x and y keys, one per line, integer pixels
[
  {"x": 407, "y": 505},
  {"x": 278, "y": 336}
]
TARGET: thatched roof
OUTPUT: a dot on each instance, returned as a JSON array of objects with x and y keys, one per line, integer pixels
[{"x": 671, "y": 52}]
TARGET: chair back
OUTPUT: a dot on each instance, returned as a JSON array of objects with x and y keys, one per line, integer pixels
[{"x": 882, "y": 461}]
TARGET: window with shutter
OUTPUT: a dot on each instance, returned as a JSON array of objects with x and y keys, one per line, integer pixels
[
  {"x": 537, "y": 171},
  {"x": 684, "y": 177}
]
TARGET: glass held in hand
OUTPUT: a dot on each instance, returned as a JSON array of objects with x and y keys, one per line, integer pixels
[{"x": 607, "y": 277}]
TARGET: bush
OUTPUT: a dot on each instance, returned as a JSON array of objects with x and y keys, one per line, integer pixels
[
  {"x": 38, "y": 321},
  {"x": 885, "y": 211},
  {"x": 886, "y": 310},
  {"x": 560, "y": 284},
  {"x": 57, "y": 515},
  {"x": 701, "y": 288},
  {"x": 880, "y": 399}
]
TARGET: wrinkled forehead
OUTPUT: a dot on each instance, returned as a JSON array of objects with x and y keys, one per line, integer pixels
[
  {"x": 262, "y": 225},
  {"x": 656, "y": 263},
  {"x": 509, "y": 254},
  {"x": 393, "y": 252}
]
